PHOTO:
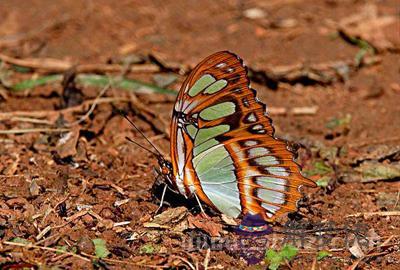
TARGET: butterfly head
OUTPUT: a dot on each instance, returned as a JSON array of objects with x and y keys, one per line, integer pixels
[{"x": 165, "y": 169}]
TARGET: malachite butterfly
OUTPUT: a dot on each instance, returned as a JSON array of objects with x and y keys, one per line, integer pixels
[{"x": 223, "y": 149}]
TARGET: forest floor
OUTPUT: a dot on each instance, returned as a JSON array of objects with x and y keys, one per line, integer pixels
[{"x": 74, "y": 194}]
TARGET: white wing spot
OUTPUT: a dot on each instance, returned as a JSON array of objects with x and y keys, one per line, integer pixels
[
  {"x": 257, "y": 127},
  {"x": 271, "y": 182},
  {"x": 278, "y": 171},
  {"x": 250, "y": 143},
  {"x": 246, "y": 102},
  {"x": 258, "y": 151},
  {"x": 252, "y": 118},
  {"x": 221, "y": 65},
  {"x": 266, "y": 161}
]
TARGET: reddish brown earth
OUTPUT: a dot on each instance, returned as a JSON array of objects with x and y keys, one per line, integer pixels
[{"x": 62, "y": 196}]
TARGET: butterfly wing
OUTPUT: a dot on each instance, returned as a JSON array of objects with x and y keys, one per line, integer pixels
[{"x": 223, "y": 146}]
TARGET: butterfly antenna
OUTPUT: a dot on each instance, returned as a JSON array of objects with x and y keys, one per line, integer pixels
[
  {"x": 141, "y": 133},
  {"x": 141, "y": 146}
]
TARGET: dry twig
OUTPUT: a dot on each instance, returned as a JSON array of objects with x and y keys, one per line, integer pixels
[
  {"x": 46, "y": 248},
  {"x": 33, "y": 130},
  {"x": 51, "y": 65},
  {"x": 207, "y": 259},
  {"x": 55, "y": 114},
  {"x": 370, "y": 214},
  {"x": 307, "y": 110}
]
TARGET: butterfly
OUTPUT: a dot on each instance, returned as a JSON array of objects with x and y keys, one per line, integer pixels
[{"x": 223, "y": 149}]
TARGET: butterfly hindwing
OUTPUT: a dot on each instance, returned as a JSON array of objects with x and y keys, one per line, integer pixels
[{"x": 223, "y": 147}]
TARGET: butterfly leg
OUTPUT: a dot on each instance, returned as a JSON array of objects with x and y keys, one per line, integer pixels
[
  {"x": 162, "y": 199},
  {"x": 203, "y": 213}
]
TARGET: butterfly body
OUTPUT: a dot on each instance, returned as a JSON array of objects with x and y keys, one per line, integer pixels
[{"x": 223, "y": 148}]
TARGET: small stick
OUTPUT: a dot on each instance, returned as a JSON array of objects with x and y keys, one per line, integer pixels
[
  {"x": 40, "y": 114},
  {"x": 369, "y": 214},
  {"x": 314, "y": 263},
  {"x": 397, "y": 200},
  {"x": 48, "y": 238},
  {"x": 122, "y": 223},
  {"x": 56, "y": 65},
  {"x": 118, "y": 189},
  {"x": 43, "y": 232},
  {"x": 95, "y": 215},
  {"x": 307, "y": 110},
  {"x": 207, "y": 259},
  {"x": 304, "y": 110},
  {"x": 30, "y": 120},
  {"x": 125, "y": 262},
  {"x": 185, "y": 261},
  {"x": 46, "y": 248},
  {"x": 33, "y": 130}
]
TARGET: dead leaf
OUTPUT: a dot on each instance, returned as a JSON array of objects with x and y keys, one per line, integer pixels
[
  {"x": 375, "y": 152},
  {"x": 172, "y": 215},
  {"x": 66, "y": 145},
  {"x": 356, "y": 250},
  {"x": 372, "y": 171},
  {"x": 229, "y": 220},
  {"x": 209, "y": 226},
  {"x": 34, "y": 188}
]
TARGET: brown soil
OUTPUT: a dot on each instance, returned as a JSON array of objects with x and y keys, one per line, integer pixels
[{"x": 43, "y": 184}]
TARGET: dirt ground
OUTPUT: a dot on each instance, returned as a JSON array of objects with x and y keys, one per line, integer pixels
[{"x": 329, "y": 72}]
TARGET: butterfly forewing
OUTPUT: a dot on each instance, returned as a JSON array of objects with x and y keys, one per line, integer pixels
[{"x": 223, "y": 147}]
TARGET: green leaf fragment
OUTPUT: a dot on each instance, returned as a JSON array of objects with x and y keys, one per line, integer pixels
[
  {"x": 359, "y": 57},
  {"x": 275, "y": 259},
  {"x": 320, "y": 168},
  {"x": 147, "y": 249},
  {"x": 322, "y": 254},
  {"x": 95, "y": 81},
  {"x": 100, "y": 248},
  {"x": 32, "y": 83},
  {"x": 61, "y": 249},
  {"x": 289, "y": 252},
  {"x": 20, "y": 241},
  {"x": 323, "y": 181},
  {"x": 126, "y": 84},
  {"x": 21, "y": 69},
  {"x": 339, "y": 122}
]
